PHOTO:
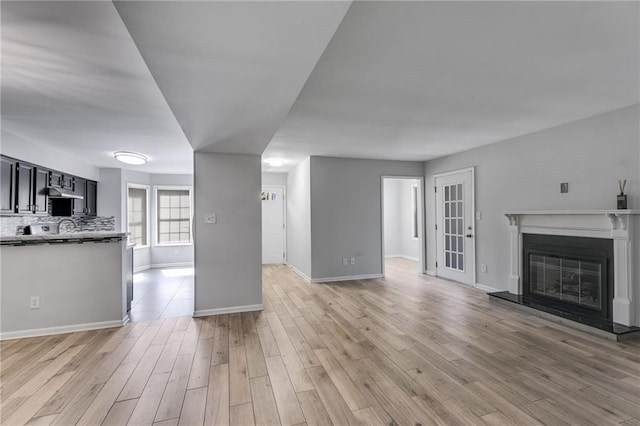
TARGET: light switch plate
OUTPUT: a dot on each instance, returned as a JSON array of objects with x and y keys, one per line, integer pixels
[
  {"x": 210, "y": 218},
  {"x": 564, "y": 187}
]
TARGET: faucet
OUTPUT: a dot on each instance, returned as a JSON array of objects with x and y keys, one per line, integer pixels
[{"x": 67, "y": 220}]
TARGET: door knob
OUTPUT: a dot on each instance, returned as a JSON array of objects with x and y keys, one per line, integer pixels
[{"x": 469, "y": 236}]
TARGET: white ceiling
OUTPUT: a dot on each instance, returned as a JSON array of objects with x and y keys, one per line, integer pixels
[
  {"x": 419, "y": 80},
  {"x": 73, "y": 78},
  {"x": 396, "y": 80}
]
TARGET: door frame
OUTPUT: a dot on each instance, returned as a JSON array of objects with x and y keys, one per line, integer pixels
[
  {"x": 422, "y": 255},
  {"x": 471, "y": 169},
  {"x": 284, "y": 218}
]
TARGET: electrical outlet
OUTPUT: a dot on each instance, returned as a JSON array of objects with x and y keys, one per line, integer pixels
[
  {"x": 210, "y": 218},
  {"x": 353, "y": 260},
  {"x": 483, "y": 267},
  {"x": 34, "y": 302},
  {"x": 345, "y": 261}
]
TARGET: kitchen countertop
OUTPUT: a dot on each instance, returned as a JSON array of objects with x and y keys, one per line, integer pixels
[{"x": 71, "y": 237}]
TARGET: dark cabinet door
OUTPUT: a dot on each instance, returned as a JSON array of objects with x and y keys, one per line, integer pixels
[
  {"x": 79, "y": 188},
  {"x": 41, "y": 199},
  {"x": 55, "y": 179},
  {"x": 25, "y": 183},
  {"x": 67, "y": 182},
  {"x": 7, "y": 183},
  {"x": 91, "y": 198}
]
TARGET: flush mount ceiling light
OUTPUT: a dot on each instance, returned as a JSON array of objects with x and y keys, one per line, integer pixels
[
  {"x": 275, "y": 162},
  {"x": 130, "y": 157}
]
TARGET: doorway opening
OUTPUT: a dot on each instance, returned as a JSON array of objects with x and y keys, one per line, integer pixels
[{"x": 402, "y": 223}]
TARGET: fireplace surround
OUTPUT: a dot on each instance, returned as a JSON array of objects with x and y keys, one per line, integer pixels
[{"x": 617, "y": 228}]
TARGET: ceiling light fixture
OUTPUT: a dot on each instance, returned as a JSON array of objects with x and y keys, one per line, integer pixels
[
  {"x": 130, "y": 157},
  {"x": 275, "y": 162}
]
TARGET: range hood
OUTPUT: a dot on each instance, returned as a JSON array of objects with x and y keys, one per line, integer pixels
[{"x": 62, "y": 193}]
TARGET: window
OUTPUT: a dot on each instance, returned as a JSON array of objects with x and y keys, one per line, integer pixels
[
  {"x": 137, "y": 216},
  {"x": 174, "y": 216},
  {"x": 414, "y": 211}
]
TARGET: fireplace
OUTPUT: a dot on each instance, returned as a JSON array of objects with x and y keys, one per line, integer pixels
[
  {"x": 569, "y": 274},
  {"x": 607, "y": 242}
]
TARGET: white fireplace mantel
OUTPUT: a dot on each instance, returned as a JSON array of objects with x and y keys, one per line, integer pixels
[{"x": 617, "y": 225}]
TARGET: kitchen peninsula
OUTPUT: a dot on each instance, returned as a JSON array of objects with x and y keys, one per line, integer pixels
[{"x": 62, "y": 282}]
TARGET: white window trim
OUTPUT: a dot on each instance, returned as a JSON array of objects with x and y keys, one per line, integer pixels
[
  {"x": 154, "y": 214},
  {"x": 415, "y": 220},
  {"x": 146, "y": 188}
]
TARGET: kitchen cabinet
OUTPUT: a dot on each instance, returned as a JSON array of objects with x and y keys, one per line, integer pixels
[
  {"x": 31, "y": 189},
  {"x": 60, "y": 180},
  {"x": 88, "y": 189},
  {"x": 79, "y": 188},
  {"x": 24, "y": 187},
  {"x": 25, "y": 190},
  {"x": 41, "y": 198},
  {"x": 91, "y": 198},
  {"x": 8, "y": 185}
]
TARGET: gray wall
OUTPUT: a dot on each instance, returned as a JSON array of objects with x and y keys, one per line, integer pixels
[
  {"x": 299, "y": 217},
  {"x": 346, "y": 213},
  {"x": 46, "y": 156},
  {"x": 525, "y": 173},
  {"x": 398, "y": 222},
  {"x": 270, "y": 178},
  {"x": 228, "y": 254}
]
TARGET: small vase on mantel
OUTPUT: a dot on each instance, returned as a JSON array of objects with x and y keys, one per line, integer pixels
[{"x": 622, "y": 197}]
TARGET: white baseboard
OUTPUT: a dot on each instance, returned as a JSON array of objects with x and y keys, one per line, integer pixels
[
  {"x": 172, "y": 265},
  {"x": 141, "y": 268},
  {"x": 229, "y": 310},
  {"x": 486, "y": 288},
  {"x": 401, "y": 256},
  {"x": 431, "y": 273},
  {"x": 299, "y": 272},
  {"x": 347, "y": 278},
  {"x": 49, "y": 331}
]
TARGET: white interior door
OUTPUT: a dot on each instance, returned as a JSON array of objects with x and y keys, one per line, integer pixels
[
  {"x": 272, "y": 224},
  {"x": 455, "y": 226}
]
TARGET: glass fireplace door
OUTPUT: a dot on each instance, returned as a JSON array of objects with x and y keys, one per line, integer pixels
[{"x": 574, "y": 281}]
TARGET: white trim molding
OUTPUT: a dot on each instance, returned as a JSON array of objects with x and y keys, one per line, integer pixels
[
  {"x": 299, "y": 272},
  {"x": 616, "y": 225},
  {"x": 229, "y": 310},
  {"x": 486, "y": 288},
  {"x": 347, "y": 278},
  {"x": 49, "y": 331}
]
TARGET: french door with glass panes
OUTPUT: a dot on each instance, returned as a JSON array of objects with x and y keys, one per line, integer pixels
[{"x": 454, "y": 226}]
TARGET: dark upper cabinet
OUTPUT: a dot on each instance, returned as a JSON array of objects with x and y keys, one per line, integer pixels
[
  {"x": 25, "y": 178},
  {"x": 60, "y": 180},
  {"x": 79, "y": 188},
  {"x": 8, "y": 185},
  {"x": 55, "y": 179},
  {"x": 24, "y": 190},
  {"x": 91, "y": 198},
  {"x": 41, "y": 198},
  {"x": 31, "y": 189}
]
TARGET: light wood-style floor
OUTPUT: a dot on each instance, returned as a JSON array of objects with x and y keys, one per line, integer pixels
[{"x": 407, "y": 349}]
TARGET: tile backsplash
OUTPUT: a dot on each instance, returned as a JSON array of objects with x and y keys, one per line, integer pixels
[{"x": 14, "y": 225}]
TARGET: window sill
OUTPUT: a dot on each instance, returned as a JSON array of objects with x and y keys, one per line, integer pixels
[{"x": 137, "y": 247}]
